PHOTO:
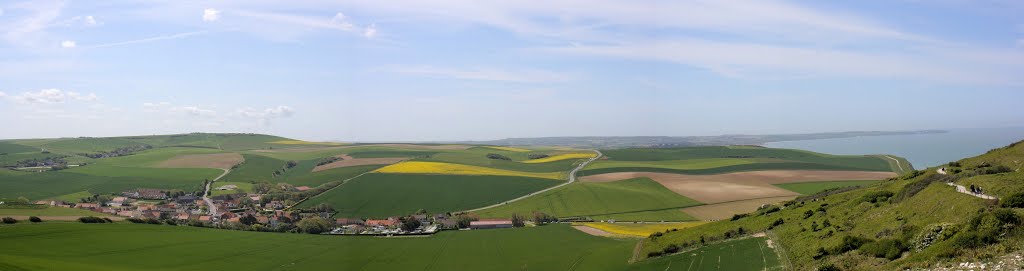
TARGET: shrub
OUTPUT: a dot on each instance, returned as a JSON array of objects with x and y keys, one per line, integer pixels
[
  {"x": 849, "y": 243},
  {"x": 654, "y": 254},
  {"x": 877, "y": 196},
  {"x": 672, "y": 248},
  {"x": 933, "y": 234},
  {"x": 808, "y": 213},
  {"x": 153, "y": 221},
  {"x": 738, "y": 216},
  {"x": 537, "y": 156},
  {"x": 886, "y": 248},
  {"x": 1014, "y": 201},
  {"x": 91, "y": 220},
  {"x": 136, "y": 220},
  {"x": 9, "y": 220},
  {"x": 35, "y": 219},
  {"x": 497, "y": 156},
  {"x": 829, "y": 267}
]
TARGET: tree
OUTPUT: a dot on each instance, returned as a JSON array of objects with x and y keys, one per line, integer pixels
[
  {"x": 314, "y": 225},
  {"x": 292, "y": 163},
  {"x": 518, "y": 221},
  {"x": 543, "y": 218},
  {"x": 421, "y": 211},
  {"x": 464, "y": 220},
  {"x": 9, "y": 220},
  {"x": 410, "y": 224},
  {"x": 262, "y": 187},
  {"x": 248, "y": 219},
  {"x": 35, "y": 219}
]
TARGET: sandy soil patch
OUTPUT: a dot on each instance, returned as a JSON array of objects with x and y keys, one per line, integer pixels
[
  {"x": 739, "y": 185},
  {"x": 349, "y": 161},
  {"x": 725, "y": 210},
  {"x": 20, "y": 218},
  {"x": 216, "y": 160},
  {"x": 403, "y": 146},
  {"x": 592, "y": 231}
]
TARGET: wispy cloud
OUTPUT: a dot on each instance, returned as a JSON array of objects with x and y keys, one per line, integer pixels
[
  {"x": 523, "y": 76},
  {"x": 51, "y": 96},
  {"x": 210, "y": 15},
  {"x": 150, "y": 39}
]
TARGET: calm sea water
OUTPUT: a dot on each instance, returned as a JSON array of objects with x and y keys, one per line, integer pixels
[{"x": 923, "y": 151}]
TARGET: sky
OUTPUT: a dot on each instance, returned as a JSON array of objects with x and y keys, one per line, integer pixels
[{"x": 434, "y": 70}]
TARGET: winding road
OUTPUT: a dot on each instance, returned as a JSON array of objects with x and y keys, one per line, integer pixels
[
  {"x": 962, "y": 189},
  {"x": 209, "y": 203},
  {"x": 572, "y": 179}
]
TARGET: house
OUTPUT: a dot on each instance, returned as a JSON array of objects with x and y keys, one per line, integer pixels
[
  {"x": 205, "y": 218},
  {"x": 262, "y": 219},
  {"x": 119, "y": 199},
  {"x": 186, "y": 199},
  {"x": 349, "y": 221},
  {"x": 87, "y": 205},
  {"x": 447, "y": 223},
  {"x": 126, "y": 213},
  {"x": 145, "y": 193},
  {"x": 275, "y": 205},
  {"x": 302, "y": 188},
  {"x": 154, "y": 214},
  {"x": 382, "y": 223},
  {"x": 420, "y": 217},
  {"x": 490, "y": 224},
  {"x": 255, "y": 197},
  {"x": 236, "y": 219},
  {"x": 181, "y": 216}
]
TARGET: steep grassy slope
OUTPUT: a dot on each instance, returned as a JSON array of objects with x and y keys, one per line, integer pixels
[{"x": 895, "y": 224}]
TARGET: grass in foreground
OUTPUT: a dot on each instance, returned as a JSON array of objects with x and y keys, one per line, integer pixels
[
  {"x": 46, "y": 210},
  {"x": 72, "y": 246},
  {"x": 628, "y": 200}
]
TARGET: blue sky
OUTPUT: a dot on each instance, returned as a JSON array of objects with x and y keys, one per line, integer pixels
[{"x": 456, "y": 70}]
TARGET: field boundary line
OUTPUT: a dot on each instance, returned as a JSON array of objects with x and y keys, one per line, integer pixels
[{"x": 636, "y": 250}]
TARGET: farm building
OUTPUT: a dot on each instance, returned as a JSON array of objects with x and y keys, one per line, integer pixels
[{"x": 490, "y": 224}]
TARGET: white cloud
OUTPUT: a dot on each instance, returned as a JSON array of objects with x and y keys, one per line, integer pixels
[
  {"x": 89, "y": 20},
  {"x": 266, "y": 115},
  {"x": 194, "y": 111},
  {"x": 342, "y": 21},
  {"x": 68, "y": 44},
  {"x": 210, "y": 15},
  {"x": 53, "y": 96},
  {"x": 371, "y": 31},
  {"x": 148, "y": 106},
  {"x": 2, "y": 94},
  {"x": 524, "y": 76}
]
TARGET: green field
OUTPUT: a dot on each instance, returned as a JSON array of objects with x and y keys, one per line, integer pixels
[
  {"x": 638, "y": 199},
  {"x": 122, "y": 246},
  {"x": 381, "y": 195},
  {"x": 815, "y": 187},
  {"x": 255, "y": 168},
  {"x": 242, "y": 187},
  {"x": 739, "y": 255}
]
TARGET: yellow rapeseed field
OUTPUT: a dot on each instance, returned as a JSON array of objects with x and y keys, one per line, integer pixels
[
  {"x": 300, "y": 142},
  {"x": 508, "y": 149},
  {"x": 640, "y": 229},
  {"x": 560, "y": 157},
  {"x": 418, "y": 167}
]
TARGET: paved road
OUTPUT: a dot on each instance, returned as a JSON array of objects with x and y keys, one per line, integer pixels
[
  {"x": 572, "y": 178},
  {"x": 962, "y": 189},
  {"x": 209, "y": 203}
]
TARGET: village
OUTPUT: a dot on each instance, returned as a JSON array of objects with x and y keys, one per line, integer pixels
[{"x": 259, "y": 212}]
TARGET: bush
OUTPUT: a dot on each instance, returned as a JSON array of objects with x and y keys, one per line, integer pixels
[
  {"x": 537, "y": 156},
  {"x": 829, "y": 267},
  {"x": 91, "y": 220},
  {"x": 136, "y": 220},
  {"x": 849, "y": 243},
  {"x": 10, "y": 220},
  {"x": 497, "y": 156},
  {"x": 153, "y": 221},
  {"x": 672, "y": 248},
  {"x": 1014, "y": 201},
  {"x": 738, "y": 216},
  {"x": 886, "y": 248},
  {"x": 877, "y": 196},
  {"x": 654, "y": 254},
  {"x": 35, "y": 219},
  {"x": 314, "y": 225}
]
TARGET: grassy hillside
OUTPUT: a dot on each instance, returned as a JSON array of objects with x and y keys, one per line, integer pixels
[
  {"x": 628, "y": 200},
  {"x": 815, "y": 187},
  {"x": 381, "y": 195},
  {"x": 157, "y": 247},
  {"x": 913, "y": 221}
]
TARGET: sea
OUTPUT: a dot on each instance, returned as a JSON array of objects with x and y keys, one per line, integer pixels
[{"x": 922, "y": 150}]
